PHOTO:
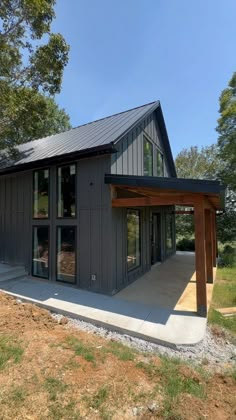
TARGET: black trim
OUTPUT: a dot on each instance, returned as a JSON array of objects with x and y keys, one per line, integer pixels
[
  {"x": 178, "y": 184},
  {"x": 56, "y": 160}
]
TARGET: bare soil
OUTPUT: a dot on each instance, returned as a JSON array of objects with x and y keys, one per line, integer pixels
[{"x": 57, "y": 378}]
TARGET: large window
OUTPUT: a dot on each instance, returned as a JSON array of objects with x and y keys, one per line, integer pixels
[
  {"x": 133, "y": 239},
  {"x": 66, "y": 253},
  {"x": 66, "y": 176},
  {"x": 147, "y": 157},
  {"x": 169, "y": 231},
  {"x": 159, "y": 162},
  {"x": 40, "y": 251},
  {"x": 41, "y": 193}
]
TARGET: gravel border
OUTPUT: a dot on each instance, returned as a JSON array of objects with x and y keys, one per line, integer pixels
[{"x": 214, "y": 350}]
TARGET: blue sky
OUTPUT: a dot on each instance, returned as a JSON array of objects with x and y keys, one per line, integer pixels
[{"x": 125, "y": 53}]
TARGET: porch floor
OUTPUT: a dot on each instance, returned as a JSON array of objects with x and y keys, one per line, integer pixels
[
  {"x": 171, "y": 284},
  {"x": 158, "y": 307}
]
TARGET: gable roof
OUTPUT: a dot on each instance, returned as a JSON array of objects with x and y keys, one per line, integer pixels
[{"x": 97, "y": 136}]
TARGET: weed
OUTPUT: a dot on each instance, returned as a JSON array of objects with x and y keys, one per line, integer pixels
[
  {"x": 80, "y": 349},
  {"x": 99, "y": 398},
  {"x": 69, "y": 411},
  {"x": 18, "y": 395},
  {"x": 54, "y": 386},
  {"x": 9, "y": 350}
]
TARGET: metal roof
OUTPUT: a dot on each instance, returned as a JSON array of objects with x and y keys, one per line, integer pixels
[{"x": 87, "y": 137}]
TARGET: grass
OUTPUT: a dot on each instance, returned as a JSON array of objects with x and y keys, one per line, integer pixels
[
  {"x": 9, "y": 350},
  {"x": 99, "y": 398},
  {"x": 122, "y": 352},
  {"x": 69, "y": 411},
  {"x": 54, "y": 387},
  {"x": 80, "y": 349},
  {"x": 224, "y": 295}
]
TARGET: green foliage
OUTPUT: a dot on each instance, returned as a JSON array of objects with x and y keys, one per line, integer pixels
[
  {"x": 122, "y": 352},
  {"x": 9, "y": 350},
  {"x": 29, "y": 69},
  {"x": 227, "y": 133},
  {"x": 227, "y": 256},
  {"x": 185, "y": 244}
]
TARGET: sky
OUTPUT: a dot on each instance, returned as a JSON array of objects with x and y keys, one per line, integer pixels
[{"x": 125, "y": 53}]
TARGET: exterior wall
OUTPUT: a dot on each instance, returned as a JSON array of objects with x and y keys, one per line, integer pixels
[
  {"x": 93, "y": 222},
  {"x": 15, "y": 218},
  {"x": 121, "y": 276},
  {"x": 129, "y": 159}
]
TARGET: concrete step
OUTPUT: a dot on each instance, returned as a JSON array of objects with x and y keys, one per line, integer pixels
[{"x": 9, "y": 273}]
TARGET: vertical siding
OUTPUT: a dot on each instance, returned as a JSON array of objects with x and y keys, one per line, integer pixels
[
  {"x": 15, "y": 219},
  {"x": 129, "y": 159},
  {"x": 94, "y": 213}
]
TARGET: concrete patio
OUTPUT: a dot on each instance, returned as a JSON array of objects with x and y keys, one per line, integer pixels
[{"x": 159, "y": 307}]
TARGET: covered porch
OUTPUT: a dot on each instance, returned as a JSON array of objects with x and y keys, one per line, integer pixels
[{"x": 203, "y": 196}]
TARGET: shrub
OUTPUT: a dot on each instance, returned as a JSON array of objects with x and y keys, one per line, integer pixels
[
  {"x": 185, "y": 244},
  {"x": 227, "y": 256}
]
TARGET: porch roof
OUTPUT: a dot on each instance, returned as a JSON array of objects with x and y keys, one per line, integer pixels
[{"x": 148, "y": 191}]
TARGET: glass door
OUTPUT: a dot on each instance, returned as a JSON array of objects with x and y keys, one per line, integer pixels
[{"x": 156, "y": 238}]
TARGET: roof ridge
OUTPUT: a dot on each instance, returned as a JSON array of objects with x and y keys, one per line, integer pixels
[{"x": 113, "y": 115}]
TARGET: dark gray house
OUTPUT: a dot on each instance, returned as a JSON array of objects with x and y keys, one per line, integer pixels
[{"x": 94, "y": 206}]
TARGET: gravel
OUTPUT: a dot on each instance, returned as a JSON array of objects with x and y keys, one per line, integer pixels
[{"x": 215, "y": 350}]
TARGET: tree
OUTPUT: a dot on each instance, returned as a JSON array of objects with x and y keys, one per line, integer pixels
[
  {"x": 29, "y": 70},
  {"x": 227, "y": 133},
  {"x": 205, "y": 163}
]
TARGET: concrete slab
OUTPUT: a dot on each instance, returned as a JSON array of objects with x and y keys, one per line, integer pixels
[
  {"x": 8, "y": 272},
  {"x": 151, "y": 322}
]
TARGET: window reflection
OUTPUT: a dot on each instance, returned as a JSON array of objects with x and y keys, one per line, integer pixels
[
  {"x": 160, "y": 167},
  {"x": 169, "y": 232},
  {"x": 66, "y": 191},
  {"x": 133, "y": 239},
  {"x": 41, "y": 192},
  {"x": 147, "y": 157},
  {"x": 66, "y": 254},
  {"x": 40, "y": 251}
]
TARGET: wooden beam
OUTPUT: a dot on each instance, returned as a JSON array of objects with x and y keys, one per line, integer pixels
[
  {"x": 186, "y": 200},
  {"x": 209, "y": 246},
  {"x": 183, "y": 212},
  {"x": 200, "y": 257},
  {"x": 214, "y": 247}
]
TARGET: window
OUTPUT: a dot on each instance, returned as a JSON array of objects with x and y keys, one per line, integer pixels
[
  {"x": 169, "y": 231},
  {"x": 66, "y": 176},
  {"x": 66, "y": 254},
  {"x": 41, "y": 193},
  {"x": 147, "y": 157},
  {"x": 159, "y": 161},
  {"x": 133, "y": 239},
  {"x": 40, "y": 251}
]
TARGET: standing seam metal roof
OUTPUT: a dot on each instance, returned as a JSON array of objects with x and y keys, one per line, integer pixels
[{"x": 105, "y": 131}]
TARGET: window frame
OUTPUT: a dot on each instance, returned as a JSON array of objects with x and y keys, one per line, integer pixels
[
  {"x": 129, "y": 270},
  {"x": 57, "y": 191},
  {"x": 146, "y": 139},
  {"x": 49, "y": 194},
  {"x": 49, "y": 253},
  {"x": 56, "y": 249}
]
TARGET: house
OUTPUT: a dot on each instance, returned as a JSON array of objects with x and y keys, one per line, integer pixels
[{"x": 94, "y": 206}]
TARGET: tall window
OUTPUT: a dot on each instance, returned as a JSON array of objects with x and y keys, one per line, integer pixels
[
  {"x": 169, "y": 231},
  {"x": 147, "y": 157},
  {"x": 160, "y": 166},
  {"x": 66, "y": 191},
  {"x": 40, "y": 251},
  {"x": 66, "y": 254},
  {"x": 133, "y": 239},
  {"x": 41, "y": 193}
]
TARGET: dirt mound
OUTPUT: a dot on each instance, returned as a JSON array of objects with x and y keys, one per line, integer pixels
[{"x": 16, "y": 315}]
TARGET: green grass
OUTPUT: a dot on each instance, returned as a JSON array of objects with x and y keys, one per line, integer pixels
[
  {"x": 59, "y": 411},
  {"x": 224, "y": 295},
  {"x": 17, "y": 395},
  {"x": 54, "y": 387},
  {"x": 80, "y": 349},
  {"x": 122, "y": 352},
  {"x": 9, "y": 350},
  {"x": 99, "y": 398}
]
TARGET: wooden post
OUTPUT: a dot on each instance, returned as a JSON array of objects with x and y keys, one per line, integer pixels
[
  {"x": 214, "y": 247},
  {"x": 209, "y": 246},
  {"x": 200, "y": 256}
]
